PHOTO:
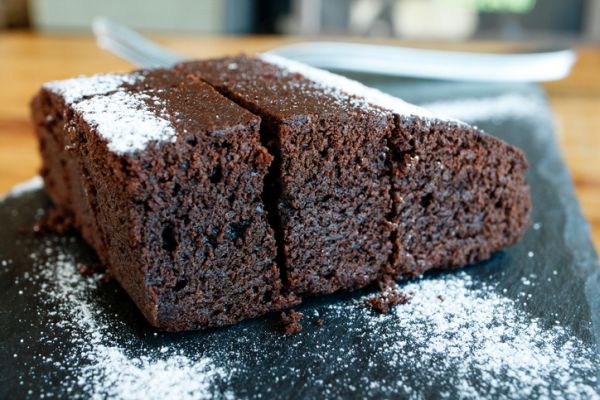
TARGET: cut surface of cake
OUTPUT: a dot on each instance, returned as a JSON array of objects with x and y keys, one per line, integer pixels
[{"x": 223, "y": 189}]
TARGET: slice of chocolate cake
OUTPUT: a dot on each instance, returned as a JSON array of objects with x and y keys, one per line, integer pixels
[
  {"x": 458, "y": 194},
  {"x": 163, "y": 178},
  {"x": 329, "y": 188}
]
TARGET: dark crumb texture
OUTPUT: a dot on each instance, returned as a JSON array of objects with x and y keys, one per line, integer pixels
[
  {"x": 290, "y": 322},
  {"x": 459, "y": 195}
]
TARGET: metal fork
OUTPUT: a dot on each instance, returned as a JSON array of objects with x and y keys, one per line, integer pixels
[
  {"x": 131, "y": 46},
  {"x": 388, "y": 60}
]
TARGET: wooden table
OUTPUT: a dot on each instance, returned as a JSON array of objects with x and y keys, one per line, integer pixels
[{"x": 27, "y": 60}]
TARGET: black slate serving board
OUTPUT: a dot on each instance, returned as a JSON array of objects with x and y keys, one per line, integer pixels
[{"x": 62, "y": 335}]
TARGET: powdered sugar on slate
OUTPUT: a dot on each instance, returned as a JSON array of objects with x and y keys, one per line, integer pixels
[
  {"x": 467, "y": 338},
  {"x": 97, "y": 360},
  {"x": 456, "y": 337},
  {"x": 126, "y": 121},
  {"x": 333, "y": 83},
  {"x": 79, "y": 88}
]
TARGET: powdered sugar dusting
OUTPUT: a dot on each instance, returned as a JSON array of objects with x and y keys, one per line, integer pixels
[
  {"x": 76, "y": 89},
  {"x": 457, "y": 337},
  {"x": 473, "y": 332},
  {"x": 365, "y": 95},
  {"x": 125, "y": 120},
  {"x": 108, "y": 370}
]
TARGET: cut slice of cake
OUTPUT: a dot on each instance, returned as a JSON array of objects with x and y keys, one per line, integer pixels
[
  {"x": 458, "y": 193},
  {"x": 164, "y": 179}
]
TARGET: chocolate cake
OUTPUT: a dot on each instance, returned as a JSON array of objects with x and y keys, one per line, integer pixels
[
  {"x": 224, "y": 189},
  {"x": 164, "y": 179}
]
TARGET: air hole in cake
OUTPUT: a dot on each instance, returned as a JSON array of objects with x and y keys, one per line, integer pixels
[
  {"x": 398, "y": 155},
  {"x": 216, "y": 175},
  {"x": 237, "y": 230},
  {"x": 124, "y": 164},
  {"x": 145, "y": 206},
  {"x": 326, "y": 198},
  {"x": 219, "y": 311},
  {"x": 176, "y": 189},
  {"x": 329, "y": 275},
  {"x": 267, "y": 297},
  {"x": 192, "y": 141},
  {"x": 426, "y": 200},
  {"x": 211, "y": 240},
  {"x": 181, "y": 283},
  {"x": 168, "y": 238}
]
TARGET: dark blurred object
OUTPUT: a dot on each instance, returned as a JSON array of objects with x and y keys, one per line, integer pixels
[
  {"x": 268, "y": 15},
  {"x": 13, "y": 14},
  {"x": 547, "y": 17}
]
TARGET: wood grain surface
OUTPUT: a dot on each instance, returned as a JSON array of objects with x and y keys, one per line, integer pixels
[{"x": 27, "y": 60}]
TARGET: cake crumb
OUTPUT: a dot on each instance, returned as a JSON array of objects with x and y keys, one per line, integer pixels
[
  {"x": 389, "y": 295},
  {"x": 55, "y": 220},
  {"x": 290, "y": 322},
  {"x": 440, "y": 297},
  {"x": 319, "y": 322}
]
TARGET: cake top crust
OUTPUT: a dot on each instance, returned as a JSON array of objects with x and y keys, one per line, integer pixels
[
  {"x": 288, "y": 88},
  {"x": 276, "y": 91},
  {"x": 76, "y": 89},
  {"x": 130, "y": 111},
  {"x": 337, "y": 85}
]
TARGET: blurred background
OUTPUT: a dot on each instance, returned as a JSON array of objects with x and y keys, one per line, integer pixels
[{"x": 561, "y": 20}]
